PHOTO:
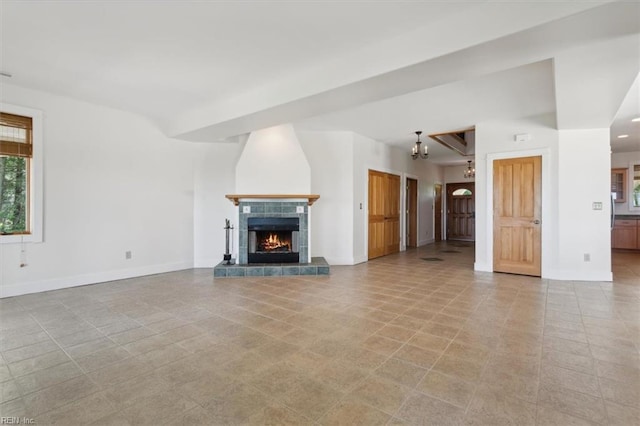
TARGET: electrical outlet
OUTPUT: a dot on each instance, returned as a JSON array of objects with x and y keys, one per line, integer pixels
[
  {"x": 299, "y": 209},
  {"x": 587, "y": 257},
  {"x": 597, "y": 205},
  {"x": 127, "y": 254},
  {"x": 246, "y": 209}
]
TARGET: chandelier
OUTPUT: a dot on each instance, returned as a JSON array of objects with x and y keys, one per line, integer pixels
[
  {"x": 470, "y": 172},
  {"x": 415, "y": 152}
]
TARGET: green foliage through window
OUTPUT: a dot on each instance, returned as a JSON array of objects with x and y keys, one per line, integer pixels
[{"x": 13, "y": 194}]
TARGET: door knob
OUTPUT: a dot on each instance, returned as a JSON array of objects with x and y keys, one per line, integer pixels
[{"x": 536, "y": 222}]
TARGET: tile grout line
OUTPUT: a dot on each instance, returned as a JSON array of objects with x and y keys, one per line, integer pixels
[
  {"x": 595, "y": 368},
  {"x": 98, "y": 387}
]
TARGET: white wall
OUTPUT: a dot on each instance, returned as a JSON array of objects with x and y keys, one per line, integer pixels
[
  {"x": 330, "y": 155},
  {"x": 626, "y": 160},
  {"x": 569, "y": 225},
  {"x": 113, "y": 183},
  {"x": 428, "y": 175},
  {"x": 582, "y": 230},
  {"x": 272, "y": 162},
  {"x": 215, "y": 171},
  {"x": 455, "y": 174}
]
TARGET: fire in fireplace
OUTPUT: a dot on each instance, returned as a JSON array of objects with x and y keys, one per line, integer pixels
[{"x": 273, "y": 240}]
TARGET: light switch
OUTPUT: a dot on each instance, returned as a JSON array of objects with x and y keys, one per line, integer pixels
[
  {"x": 299, "y": 209},
  {"x": 246, "y": 209},
  {"x": 597, "y": 205}
]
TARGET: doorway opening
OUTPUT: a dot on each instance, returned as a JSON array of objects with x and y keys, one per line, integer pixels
[
  {"x": 412, "y": 213},
  {"x": 437, "y": 213},
  {"x": 461, "y": 211}
]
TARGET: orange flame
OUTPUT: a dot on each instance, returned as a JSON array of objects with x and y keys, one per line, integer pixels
[{"x": 273, "y": 242}]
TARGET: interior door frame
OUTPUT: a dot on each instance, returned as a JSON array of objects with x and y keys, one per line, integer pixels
[
  {"x": 547, "y": 251},
  {"x": 437, "y": 213},
  {"x": 410, "y": 211},
  {"x": 404, "y": 177}
]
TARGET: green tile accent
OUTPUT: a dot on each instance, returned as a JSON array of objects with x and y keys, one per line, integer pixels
[
  {"x": 236, "y": 272},
  {"x": 290, "y": 270},
  {"x": 219, "y": 272},
  {"x": 271, "y": 271},
  {"x": 308, "y": 270},
  {"x": 255, "y": 271},
  {"x": 323, "y": 270}
]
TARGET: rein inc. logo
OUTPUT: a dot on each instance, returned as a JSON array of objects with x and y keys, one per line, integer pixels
[{"x": 17, "y": 421}]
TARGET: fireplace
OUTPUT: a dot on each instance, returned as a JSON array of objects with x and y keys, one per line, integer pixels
[
  {"x": 282, "y": 223},
  {"x": 267, "y": 216},
  {"x": 273, "y": 240}
]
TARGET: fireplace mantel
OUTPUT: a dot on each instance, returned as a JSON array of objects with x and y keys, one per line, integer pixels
[{"x": 235, "y": 198}]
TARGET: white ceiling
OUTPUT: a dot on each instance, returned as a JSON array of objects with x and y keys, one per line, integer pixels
[
  {"x": 209, "y": 70},
  {"x": 518, "y": 92},
  {"x": 623, "y": 125},
  {"x": 162, "y": 58}
]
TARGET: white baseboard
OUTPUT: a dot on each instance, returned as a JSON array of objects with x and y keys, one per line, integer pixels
[
  {"x": 482, "y": 267},
  {"x": 206, "y": 263},
  {"x": 360, "y": 259},
  {"x": 425, "y": 242},
  {"x": 559, "y": 275},
  {"x": 577, "y": 275},
  {"x": 99, "y": 277},
  {"x": 339, "y": 260}
]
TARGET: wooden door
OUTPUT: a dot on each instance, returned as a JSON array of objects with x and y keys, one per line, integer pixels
[
  {"x": 517, "y": 192},
  {"x": 437, "y": 213},
  {"x": 384, "y": 214},
  {"x": 392, "y": 215},
  {"x": 376, "y": 213},
  {"x": 461, "y": 211},
  {"x": 412, "y": 213}
]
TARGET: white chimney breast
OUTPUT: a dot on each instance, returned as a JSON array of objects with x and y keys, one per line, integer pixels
[{"x": 273, "y": 162}]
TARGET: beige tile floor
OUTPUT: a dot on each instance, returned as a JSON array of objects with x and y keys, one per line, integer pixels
[{"x": 397, "y": 340}]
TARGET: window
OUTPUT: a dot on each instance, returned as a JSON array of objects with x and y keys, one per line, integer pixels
[
  {"x": 20, "y": 174},
  {"x": 461, "y": 191},
  {"x": 16, "y": 151}
]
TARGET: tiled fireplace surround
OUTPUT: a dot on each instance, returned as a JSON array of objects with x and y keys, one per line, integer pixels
[{"x": 273, "y": 208}]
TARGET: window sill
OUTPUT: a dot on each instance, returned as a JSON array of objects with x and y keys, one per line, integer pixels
[{"x": 17, "y": 239}]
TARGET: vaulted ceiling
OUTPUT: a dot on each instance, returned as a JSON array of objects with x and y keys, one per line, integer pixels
[{"x": 210, "y": 70}]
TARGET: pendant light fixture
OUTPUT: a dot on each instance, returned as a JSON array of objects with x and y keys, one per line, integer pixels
[
  {"x": 416, "y": 152},
  {"x": 470, "y": 172}
]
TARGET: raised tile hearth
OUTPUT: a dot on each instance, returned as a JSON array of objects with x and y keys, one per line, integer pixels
[{"x": 318, "y": 266}]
